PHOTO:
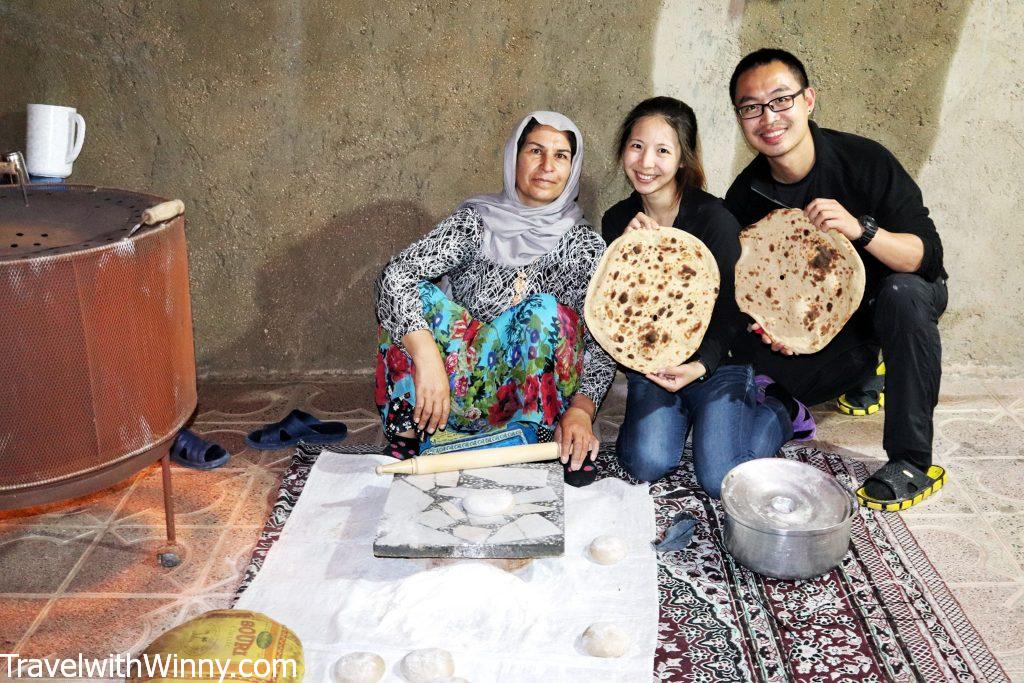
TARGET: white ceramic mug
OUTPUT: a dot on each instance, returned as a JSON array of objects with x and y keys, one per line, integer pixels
[{"x": 54, "y": 139}]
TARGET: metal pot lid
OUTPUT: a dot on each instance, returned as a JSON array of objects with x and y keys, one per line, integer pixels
[{"x": 784, "y": 496}]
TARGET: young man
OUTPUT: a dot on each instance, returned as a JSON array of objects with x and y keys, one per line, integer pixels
[{"x": 856, "y": 187}]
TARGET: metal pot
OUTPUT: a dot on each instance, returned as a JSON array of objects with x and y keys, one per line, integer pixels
[{"x": 786, "y": 519}]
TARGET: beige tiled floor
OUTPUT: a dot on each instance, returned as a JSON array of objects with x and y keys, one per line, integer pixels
[{"x": 82, "y": 576}]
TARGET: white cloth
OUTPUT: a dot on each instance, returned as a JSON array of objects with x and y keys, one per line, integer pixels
[{"x": 322, "y": 580}]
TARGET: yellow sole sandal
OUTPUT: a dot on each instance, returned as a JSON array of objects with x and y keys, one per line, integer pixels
[{"x": 908, "y": 484}]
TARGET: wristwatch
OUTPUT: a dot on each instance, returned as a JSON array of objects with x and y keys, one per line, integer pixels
[
  {"x": 869, "y": 227},
  {"x": 695, "y": 358}
]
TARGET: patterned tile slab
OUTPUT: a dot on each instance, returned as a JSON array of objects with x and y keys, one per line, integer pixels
[
  {"x": 200, "y": 497},
  {"x": 963, "y": 548},
  {"x": 18, "y": 615},
  {"x": 260, "y": 491},
  {"x": 859, "y": 438},
  {"x": 960, "y": 393},
  {"x": 364, "y": 431},
  {"x": 996, "y": 485},
  {"x": 98, "y": 626},
  {"x": 228, "y": 561},
  {"x": 1010, "y": 530},
  {"x": 341, "y": 398},
  {"x": 39, "y": 559},
  {"x": 957, "y": 435},
  {"x": 997, "y": 610},
  {"x": 952, "y": 499},
  {"x": 979, "y": 435},
  {"x": 1009, "y": 391},
  {"x": 253, "y": 403},
  {"x": 196, "y": 605},
  {"x": 125, "y": 561}
]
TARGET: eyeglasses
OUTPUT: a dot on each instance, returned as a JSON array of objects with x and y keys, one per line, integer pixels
[{"x": 753, "y": 111}]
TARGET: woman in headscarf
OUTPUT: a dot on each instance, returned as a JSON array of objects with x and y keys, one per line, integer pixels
[{"x": 509, "y": 343}]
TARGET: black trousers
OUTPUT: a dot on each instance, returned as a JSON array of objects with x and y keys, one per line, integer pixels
[{"x": 901, "y": 320}]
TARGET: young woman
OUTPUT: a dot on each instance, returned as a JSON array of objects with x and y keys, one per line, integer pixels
[
  {"x": 733, "y": 418},
  {"x": 509, "y": 343}
]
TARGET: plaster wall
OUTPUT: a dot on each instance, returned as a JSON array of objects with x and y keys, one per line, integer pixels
[
  {"x": 312, "y": 140},
  {"x": 938, "y": 84}
]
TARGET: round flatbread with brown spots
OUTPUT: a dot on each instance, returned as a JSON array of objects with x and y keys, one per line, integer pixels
[
  {"x": 801, "y": 285},
  {"x": 650, "y": 300}
]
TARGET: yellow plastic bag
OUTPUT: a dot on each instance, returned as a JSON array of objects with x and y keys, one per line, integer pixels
[{"x": 222, "y": 645}]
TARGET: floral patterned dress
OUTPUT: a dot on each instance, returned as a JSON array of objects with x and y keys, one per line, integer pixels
[
  {"x": 513, "y": 340},
  {"x": 522, "y": 367}
]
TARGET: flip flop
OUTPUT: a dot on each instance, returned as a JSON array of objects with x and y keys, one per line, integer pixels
[
  {"x": 866, "y": 399},
  {"x": 191, "y": 450},
  {"x": 295, "y": 427},
  {"x": 906, "y": 484}
]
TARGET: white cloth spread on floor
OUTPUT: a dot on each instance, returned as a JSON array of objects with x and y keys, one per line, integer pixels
[{"x": 322, "y": 580}]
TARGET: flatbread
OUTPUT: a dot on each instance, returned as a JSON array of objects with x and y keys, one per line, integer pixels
[
  {"x": 800, "y": 284},
  {"x": 650, "y": 300}
]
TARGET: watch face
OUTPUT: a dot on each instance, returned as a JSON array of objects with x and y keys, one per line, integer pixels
[{"x": 869, "y": 227}]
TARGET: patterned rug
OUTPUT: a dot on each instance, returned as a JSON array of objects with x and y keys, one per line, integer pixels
[{"x": 883, "y": 615}]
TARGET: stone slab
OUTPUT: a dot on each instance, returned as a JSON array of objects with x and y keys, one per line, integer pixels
[{"x": 419, "y": 514}]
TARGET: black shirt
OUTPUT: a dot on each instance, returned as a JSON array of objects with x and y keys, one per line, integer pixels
[
  {"x": 706, "y": 218},
  {"x": 866, "y": 179},
  {"x": 796, "y": 194},
  {"x": 860, "y": 174}
]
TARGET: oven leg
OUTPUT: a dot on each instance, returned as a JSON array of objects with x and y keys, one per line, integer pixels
[{"x": 168, "y": 558}]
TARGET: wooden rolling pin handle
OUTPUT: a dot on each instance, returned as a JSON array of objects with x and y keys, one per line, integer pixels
[
  {"x": 164, "y": 211},
  {"x": 465, "y": 460}
]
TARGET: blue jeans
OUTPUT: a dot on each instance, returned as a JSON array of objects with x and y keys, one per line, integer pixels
[{"x": 729, "y": 426}]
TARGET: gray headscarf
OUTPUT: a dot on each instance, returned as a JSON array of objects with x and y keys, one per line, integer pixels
[{"x": 516, "y": 234}]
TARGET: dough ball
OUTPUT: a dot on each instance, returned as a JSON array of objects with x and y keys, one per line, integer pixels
[
  {"x": 607, "y": 549},
  {"x": 489, "y": 503},
  {"x": 605, "y": 639},
  {"x": 359, "y": 667},
  {"x": 423, "y": 666}
]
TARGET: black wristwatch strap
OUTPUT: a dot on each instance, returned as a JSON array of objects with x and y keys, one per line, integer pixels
[{"x": 870, "y": 228}]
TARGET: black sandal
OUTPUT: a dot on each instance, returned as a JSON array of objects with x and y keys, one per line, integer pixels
[{"x": 899, "y": 485}]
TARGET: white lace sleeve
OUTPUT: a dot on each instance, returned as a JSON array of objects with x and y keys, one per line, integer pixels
[{"x": 453, "y": 242}]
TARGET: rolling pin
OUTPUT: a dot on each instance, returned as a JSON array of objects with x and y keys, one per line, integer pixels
[
  {"x": 164, "y": 211},
  {"x": 467, "y": 460}
]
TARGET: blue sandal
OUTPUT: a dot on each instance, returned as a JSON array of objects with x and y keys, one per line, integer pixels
[
  {"x": 191, "y": 450},
  {"x": 297, "y": 426}
]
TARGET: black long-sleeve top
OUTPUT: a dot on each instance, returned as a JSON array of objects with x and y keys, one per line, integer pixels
[
  {"x": 705, "y": 217},
  {"x": 860, "y": 174}
]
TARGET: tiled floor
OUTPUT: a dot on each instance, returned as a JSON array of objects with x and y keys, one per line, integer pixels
[{"x": 83, "y": 577}]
